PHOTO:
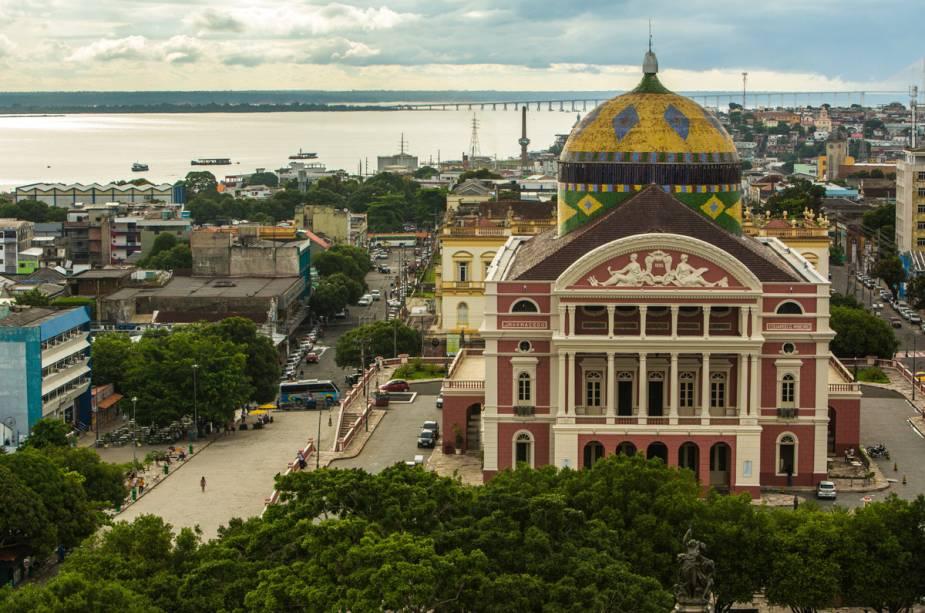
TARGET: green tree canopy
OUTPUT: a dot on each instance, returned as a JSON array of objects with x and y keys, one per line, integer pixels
[
  {"x": 329, "y": 298},
  {"x": 48, "y": 432},
  {"x": 200, "y": 182},
  {"x": 796, "y": 198},
  {"x": 31, "y": 210},
  {"x": 262, "y": 366},
  {"x": 890, "y": 270},
  {"x": 380, "y": 338},
  {"x": 111, "y": 354},
  {"x": 270, "y": 179},
  {"x": 24, "y": 521},
  {"x": 33, "y": 297},
  {"x": 860, "y": 334}
]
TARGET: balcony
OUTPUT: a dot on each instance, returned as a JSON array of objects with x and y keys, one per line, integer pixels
[
  {"x": 580, "y": 410},
  {"x": 524, "y": 411},
  {"x": 787, "y": 413},
  {"x": 471, "y": 231},
  {"x": 451, "y": 285}
]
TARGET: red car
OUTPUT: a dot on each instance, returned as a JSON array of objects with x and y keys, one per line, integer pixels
[
  {"x": 311, "y": 357},
  {"x": 395, "y": 385}
]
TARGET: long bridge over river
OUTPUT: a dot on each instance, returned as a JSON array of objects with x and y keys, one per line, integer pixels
[{"x": 708, "y": 99}]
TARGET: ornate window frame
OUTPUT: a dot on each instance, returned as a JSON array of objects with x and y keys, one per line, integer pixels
[
  {"x": 796, "y": 453},
  {"x": 525, "y": 437},
  {"x": 523, "y": 365}
]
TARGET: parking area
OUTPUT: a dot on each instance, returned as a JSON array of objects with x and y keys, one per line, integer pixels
[
  {"x": 395, "y": 438},
  {"x": 884, "y": 419}
]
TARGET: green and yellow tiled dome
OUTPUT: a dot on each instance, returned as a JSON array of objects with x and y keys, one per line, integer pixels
[{"x": 649, "y": 135}]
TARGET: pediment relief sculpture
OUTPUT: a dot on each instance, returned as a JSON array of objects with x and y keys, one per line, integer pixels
[{"x": 657, "y": 272}]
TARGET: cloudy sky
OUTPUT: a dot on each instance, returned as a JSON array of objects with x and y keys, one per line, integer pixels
[{"x": 456, "y": 44}]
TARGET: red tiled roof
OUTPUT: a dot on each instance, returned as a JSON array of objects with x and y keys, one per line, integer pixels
[{"x": 546, "y": 256}]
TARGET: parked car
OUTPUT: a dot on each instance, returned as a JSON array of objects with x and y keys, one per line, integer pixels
[
  {"x": 915, "y": 319},
  {"x": 365, "y": 300},
  {"x": 382, "y": 256},
  {"x": 395, "y": 385},
  {"x": 376, "y": 294},
  {"x": 432, "y": 426},
  {"x": 896, "y": 322},
  {"x": 826, "y": 489},
  {"x": 440, "y": 401},
  {"x": 342, "y": 314},
  {"x": 311, "y": 357},
  {"x": 418, "y": 459},
  {"x": 427, "y": 438}
]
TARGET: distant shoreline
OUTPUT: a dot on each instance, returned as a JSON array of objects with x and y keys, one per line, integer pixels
[{"x": 205, "y": 108}]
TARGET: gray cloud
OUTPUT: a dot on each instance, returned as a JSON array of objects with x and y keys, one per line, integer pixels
[{"x": 212, "y": 20}]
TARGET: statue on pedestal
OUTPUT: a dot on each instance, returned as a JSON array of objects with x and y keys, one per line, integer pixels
[{"x": 695, "y": 577}]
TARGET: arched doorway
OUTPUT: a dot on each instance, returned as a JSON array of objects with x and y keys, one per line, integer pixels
[
  {"x": 523, "y": 449},
  {"x": 689, "y": 457},
  {"x": 830, "y": 435},
  {"x": 626, "y": 448},
  {"x": 720, "y": 466},
  {"x": 594, "y": 451},
  {"x": 473, "y": 427},
  {"x": 787, "y": 456},
  {"x": 657, "y": 450}
]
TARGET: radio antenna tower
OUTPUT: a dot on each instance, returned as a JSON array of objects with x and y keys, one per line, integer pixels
[
  {"x": 474, "y": 149},
  {"x": 402, "y": 144},
  {"x": 744, "y": 82}
]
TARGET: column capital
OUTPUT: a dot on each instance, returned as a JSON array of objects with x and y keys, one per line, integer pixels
[
  {"x": 611, "y": 308},
  {"x": 675, "y": 308},
  {"x": 643, "y": 307}
]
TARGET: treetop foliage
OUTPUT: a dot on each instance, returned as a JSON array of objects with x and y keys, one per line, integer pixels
[{"x": 602, "y": 539}]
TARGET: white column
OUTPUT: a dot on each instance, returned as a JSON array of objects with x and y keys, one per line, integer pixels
[
  {"x": 562, "y": 319},
  {"x": 706, "y": 321},
  {"x": 611, "y": 388},
  {"x": 674, "y": 320},
  {"x": 571, "y": 319},
  {"x": 610, "y": 310},
  {"x": 642, "y": 320},
  {"x": 743, "y": 321},
  {"x": 705, "y": 387},
  {"x": 675, "y": 391},
  {"x": 741, "y": 385},
  {"x": 642, "y": 396},
  {"x": 754, "y": 394},
  {"x": 562, "y": 381},
  {"x": 570, "y": 384},
  {"x": 755, "y": 323}
]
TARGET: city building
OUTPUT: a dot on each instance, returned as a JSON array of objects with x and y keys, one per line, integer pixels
[
  {"x": 73, "y": 194},
  {"x": 807, "y": 235},
  {"x": 910, "y": 201},
  {"x": 152, "y": 227},
  {"x": 471, "y": 236},
  {"x": 15, "y": 239},
  {"x": 327, "y": 221},
  {"x": 44, "y": 369},
  {"x": 240, "y": 252},
  {"x": 647, "y": 323},
  {"x": 469, "y": 192}
]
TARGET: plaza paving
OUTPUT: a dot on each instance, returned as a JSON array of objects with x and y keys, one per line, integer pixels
[{"x": 239, "y": 470}]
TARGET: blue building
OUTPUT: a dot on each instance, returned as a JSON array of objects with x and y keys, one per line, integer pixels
[{"x": 44, "y": 369}]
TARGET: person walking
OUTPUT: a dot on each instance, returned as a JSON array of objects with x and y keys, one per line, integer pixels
[{"x": 202, "y": 484}]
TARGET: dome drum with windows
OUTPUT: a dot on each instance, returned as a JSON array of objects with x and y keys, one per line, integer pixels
[{"x": 649, "y": 136}]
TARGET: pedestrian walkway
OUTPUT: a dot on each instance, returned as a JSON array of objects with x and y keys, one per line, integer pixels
[{"x": 239, "y": 469}]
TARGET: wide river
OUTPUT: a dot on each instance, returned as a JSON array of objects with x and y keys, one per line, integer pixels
[{"x": 101, "y": 148}]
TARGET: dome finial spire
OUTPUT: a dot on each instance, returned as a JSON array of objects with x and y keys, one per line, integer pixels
[{"x": 650, "y": 62}]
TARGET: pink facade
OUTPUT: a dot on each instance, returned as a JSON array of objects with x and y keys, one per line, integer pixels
[{"x": 710, "y": 352}]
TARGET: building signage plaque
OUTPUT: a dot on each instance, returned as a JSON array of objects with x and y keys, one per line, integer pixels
[
  {"x": 789, "y": 326},
  {"x": 523, "y": 325}
]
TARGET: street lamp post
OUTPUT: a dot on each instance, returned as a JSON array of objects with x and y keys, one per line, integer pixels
[
  {"x": 195, "y": 402},
  {"x": 318, "y": 443},
  {"x": 134, "y": 433},
  {"x": 915, "y": 378}
]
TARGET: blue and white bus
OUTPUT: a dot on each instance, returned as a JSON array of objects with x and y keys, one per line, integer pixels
[{"x": 296, "y": 394}]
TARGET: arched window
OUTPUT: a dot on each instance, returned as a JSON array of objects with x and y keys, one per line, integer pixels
[
  {"x": 593, "y": 452},
  {"x": 787, "y": 454},
  {"x": 788, "y": 387},
  {"x": 594, "y": 382},
  {"x": 789, "y": 308},
  {"x": 462, "y": 314},
  {"x": 718, "y": 390},
  {"x": 524, "y": 387},
  {"x": 523, "y": 449},
  {"x": 524, "y": 306}
]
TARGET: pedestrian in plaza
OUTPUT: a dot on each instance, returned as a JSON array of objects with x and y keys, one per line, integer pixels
[{"x": 202, "y": 484}]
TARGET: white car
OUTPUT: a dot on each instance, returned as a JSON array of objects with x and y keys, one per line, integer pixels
[
  {"x": 366, "y": 300},
  {"x": 376, "y": 294}
]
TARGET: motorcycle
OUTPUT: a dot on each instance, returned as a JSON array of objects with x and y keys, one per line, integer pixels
[{"x": 878, "y": 451}]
